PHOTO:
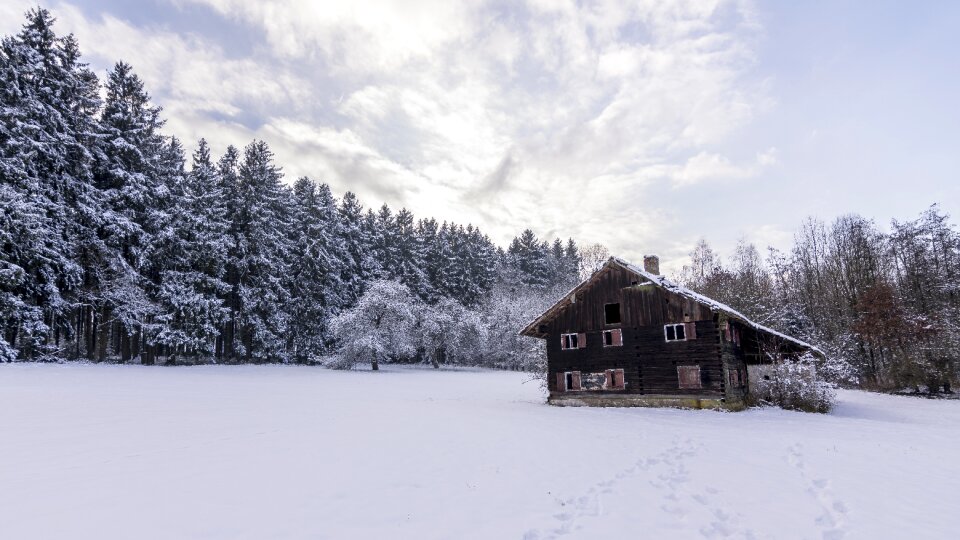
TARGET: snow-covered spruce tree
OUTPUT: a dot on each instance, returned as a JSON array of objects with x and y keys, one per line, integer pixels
[
  {"x": 473, "y": 272},
  {"x": 360, "y": 265},
  {"x": 264, "y": 254},
  {"x": 193, "y": 252},
  {"x": 133, "y": 161},
  {"x": 435, "y": 250},
  {"x": 228, "y": 176},
  {"x": 408, "y": 267},
  {"x": 379, "y": 228},
  {"x": 379, "y": 328},
  {"x": 48, "y": 101},
  {"x": 317, "y": 291},
  {"x": 794, "y": 384},
  {"x": 22, "y": 228},
  {"x": 528, "y": 262}
]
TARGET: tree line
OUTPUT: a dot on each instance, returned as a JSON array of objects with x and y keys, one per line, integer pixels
[
  {"x": 883, "y": 305},
  {"x": 113, "y": 247}
]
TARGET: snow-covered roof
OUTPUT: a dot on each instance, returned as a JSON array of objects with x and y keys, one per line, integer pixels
[{"x": 669, "y": 285}]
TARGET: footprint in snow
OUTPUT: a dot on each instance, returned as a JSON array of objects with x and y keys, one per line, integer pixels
[{"x": 832, "y": 520}]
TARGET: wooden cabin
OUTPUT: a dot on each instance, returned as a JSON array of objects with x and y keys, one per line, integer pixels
[{"x": 627, "y": 336}]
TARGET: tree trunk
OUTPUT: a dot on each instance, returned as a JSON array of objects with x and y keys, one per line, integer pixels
[
  {"x": 435, "y": 358},
  {"x": 78, "y": 332},
  {"x": 374, "y": 363},
  {"x": 124, "y": 345},
  {"x": 136, "y": 350},
  {"x": 92, "y": 334},
  {"x": 103, "y": 334}
]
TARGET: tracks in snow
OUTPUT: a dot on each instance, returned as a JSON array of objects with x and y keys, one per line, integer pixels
[
  {"x": 833, "y": 519},
  {"x": 667, "y": 472}
]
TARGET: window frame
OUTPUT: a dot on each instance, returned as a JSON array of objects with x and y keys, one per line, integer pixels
[
  {"x": 568, "y": 378},
  {"x": 610, "y": 383},
  {"x": 666, "y": 335},
  {"x": 566, "y": 341},
  {"x": 613, "y": 342}
]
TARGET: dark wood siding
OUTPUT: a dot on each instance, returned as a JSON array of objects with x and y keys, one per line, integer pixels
[{"x": 649, "y": 362}]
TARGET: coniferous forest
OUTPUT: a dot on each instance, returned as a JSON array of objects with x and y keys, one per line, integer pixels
[{"x": 116, "y": 245}]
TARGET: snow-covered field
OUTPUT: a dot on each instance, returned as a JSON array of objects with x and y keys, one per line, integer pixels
[{"x": 92, "y": 451}]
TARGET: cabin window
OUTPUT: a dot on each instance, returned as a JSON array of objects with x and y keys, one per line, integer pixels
[
  {"x": 674, "y": 332},
  {"x": 613, "y": 338},
  {"x": 571, "y": 381},
  {"x": 615, "y": 379},
  {"x": 573, "y": 341},
  {"x": 689, "y": 377},
  {"x": 611, "y": 313}
]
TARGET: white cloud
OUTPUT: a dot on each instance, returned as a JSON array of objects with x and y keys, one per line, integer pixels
[
  {"x": 567, "y": 118},
  {"x": 709, "y": 166}
]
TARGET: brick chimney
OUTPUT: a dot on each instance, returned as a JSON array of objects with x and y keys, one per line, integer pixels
[{"x": 651, "y": 263}]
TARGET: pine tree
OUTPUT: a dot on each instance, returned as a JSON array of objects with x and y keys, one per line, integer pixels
[
  {"x": 194, "y": 252},
  {"x": 406, "y": 261},
  {"x": 263, "y": 221},
  {"x": 360, "y": 265},
  {"x": 433, "y": 241},
  {"x": 229, "y": 186},
  {"x": 528, "y": 262},
  {"x": 134, "y": 161},
  {"x": 47, "y": 104},
  {"x": 316, "y": 288}
]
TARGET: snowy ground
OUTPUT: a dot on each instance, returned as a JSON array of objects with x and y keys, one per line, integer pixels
[{"x": 291, "y": 452}]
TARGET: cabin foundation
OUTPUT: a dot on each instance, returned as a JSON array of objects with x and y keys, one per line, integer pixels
[{"x": 671, "y": 401}]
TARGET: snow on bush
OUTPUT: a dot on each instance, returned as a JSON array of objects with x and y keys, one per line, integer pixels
[
  {"x": 795, "y": 384},
  {"x": 390, "y": 324},
  {"x": 379, "y": 327}
]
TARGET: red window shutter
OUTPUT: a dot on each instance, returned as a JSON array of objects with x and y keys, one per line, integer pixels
[
  {"x": 576, "y": 380},
  {"x": 689, "y": 376},
  {"x": 618, "y": 382},
  {"x": 561, "y": 382},
  {"x": 563, "y": 342},
  {"x": 617, "y": 336},
  {"x": 690, "y": 329},
  {"x": 726, "y": 332},
  {"x": 581, "y": 341},
  {"x": 610, "y": 382}
]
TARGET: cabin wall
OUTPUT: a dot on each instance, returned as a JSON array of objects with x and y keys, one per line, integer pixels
[
  {"x": 737, "y": 344},
  {"x": 648, "y": 360}
]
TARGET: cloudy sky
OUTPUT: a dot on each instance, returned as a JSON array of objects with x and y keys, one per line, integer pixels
[{"x": 643, "y": 127}]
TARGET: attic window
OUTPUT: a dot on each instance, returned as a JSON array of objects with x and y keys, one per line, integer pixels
[
  {"x": 573, "y": 341},
  {"x": 611, "y": 313},
  {"x": 674, "y": 332},
  {"x": 613, "y": 338}
]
